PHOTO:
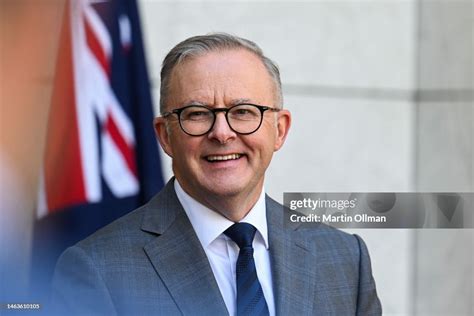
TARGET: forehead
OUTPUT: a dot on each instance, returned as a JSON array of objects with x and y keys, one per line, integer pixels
[{"x": 221, "y": 77}]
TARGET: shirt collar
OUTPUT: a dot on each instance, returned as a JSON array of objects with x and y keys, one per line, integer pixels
[{"x": 209, "y": 225}]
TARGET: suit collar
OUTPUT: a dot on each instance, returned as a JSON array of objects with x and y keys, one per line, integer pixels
[
  {"x": 294, "y": 275},
  {"x": 178, "y": 257},
  {"x": 161, "y": 210}
]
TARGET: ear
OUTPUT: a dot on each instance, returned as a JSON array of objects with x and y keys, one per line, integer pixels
[
  {"x": 163, "y": 135},
  {"x": 283, "y": 126}
]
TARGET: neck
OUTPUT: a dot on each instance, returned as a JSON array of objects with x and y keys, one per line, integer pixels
[{"x": 233, "y": 207}]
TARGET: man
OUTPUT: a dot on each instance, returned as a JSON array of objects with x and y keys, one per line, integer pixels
[{"x": 211, "y": 242}]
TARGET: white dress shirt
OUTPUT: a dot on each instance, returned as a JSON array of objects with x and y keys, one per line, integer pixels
[{"x": 222, "y": 252}]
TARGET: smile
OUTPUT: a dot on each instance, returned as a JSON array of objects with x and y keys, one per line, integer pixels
[{"x": 223, "y": 157}]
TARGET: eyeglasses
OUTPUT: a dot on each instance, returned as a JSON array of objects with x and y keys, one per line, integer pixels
[{"x": 197, "y": 120}]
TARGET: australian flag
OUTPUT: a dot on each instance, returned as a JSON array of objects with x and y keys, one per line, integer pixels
[{"x": 101, "y": 158}]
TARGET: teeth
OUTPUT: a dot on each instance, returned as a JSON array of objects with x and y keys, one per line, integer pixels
[{"x": 226, "y": 157}]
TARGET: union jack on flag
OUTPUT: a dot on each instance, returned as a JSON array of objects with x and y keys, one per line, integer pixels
[{"x": 101, "y": 158}]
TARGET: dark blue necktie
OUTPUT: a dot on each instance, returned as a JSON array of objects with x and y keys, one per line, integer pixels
[{"x": 250, "y": 299}]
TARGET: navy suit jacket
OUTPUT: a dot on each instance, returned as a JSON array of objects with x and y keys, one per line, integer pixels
[{"x": 150, "y": 262}]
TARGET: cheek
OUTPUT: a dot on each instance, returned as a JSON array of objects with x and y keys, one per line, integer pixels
[
  {"x": 267, "y": 139},
  {"x": 186, "y": 152},
  {"x": 263, "y": 147}
]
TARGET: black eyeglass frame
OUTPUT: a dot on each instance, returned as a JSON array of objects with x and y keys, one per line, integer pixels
[{"x": 262, "y": 109}]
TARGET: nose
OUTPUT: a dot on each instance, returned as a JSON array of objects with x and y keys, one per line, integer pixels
[{"x": 221, "y": 130}]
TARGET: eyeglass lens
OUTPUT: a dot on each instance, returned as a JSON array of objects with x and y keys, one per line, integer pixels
[{"x": 243, "y": 119}]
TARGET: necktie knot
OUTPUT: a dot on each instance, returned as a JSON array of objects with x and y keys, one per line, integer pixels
[{"x": 242, "y": 234}]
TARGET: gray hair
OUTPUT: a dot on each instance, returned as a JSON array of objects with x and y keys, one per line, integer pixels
[{"x": 199, "y": 45}]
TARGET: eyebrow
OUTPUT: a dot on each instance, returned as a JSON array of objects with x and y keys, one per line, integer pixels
[
  {"x": 193, "y": 102},
  {"x": 231, "y": 103},
  {"x": 240, "y": 101}
]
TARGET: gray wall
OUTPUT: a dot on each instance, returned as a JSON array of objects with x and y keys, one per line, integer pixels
[
  {"x": 381, "y": 93},
  {"x": 444, "y": 259}
]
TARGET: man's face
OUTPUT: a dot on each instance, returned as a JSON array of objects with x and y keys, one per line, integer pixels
[{"x": 218, "y": 80}]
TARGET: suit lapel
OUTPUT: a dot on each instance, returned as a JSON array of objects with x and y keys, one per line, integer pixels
[
  {"x": 179, "y": 259},
  {"x": 182, "y": 265},
  {"x": 293, "y": 270}
]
